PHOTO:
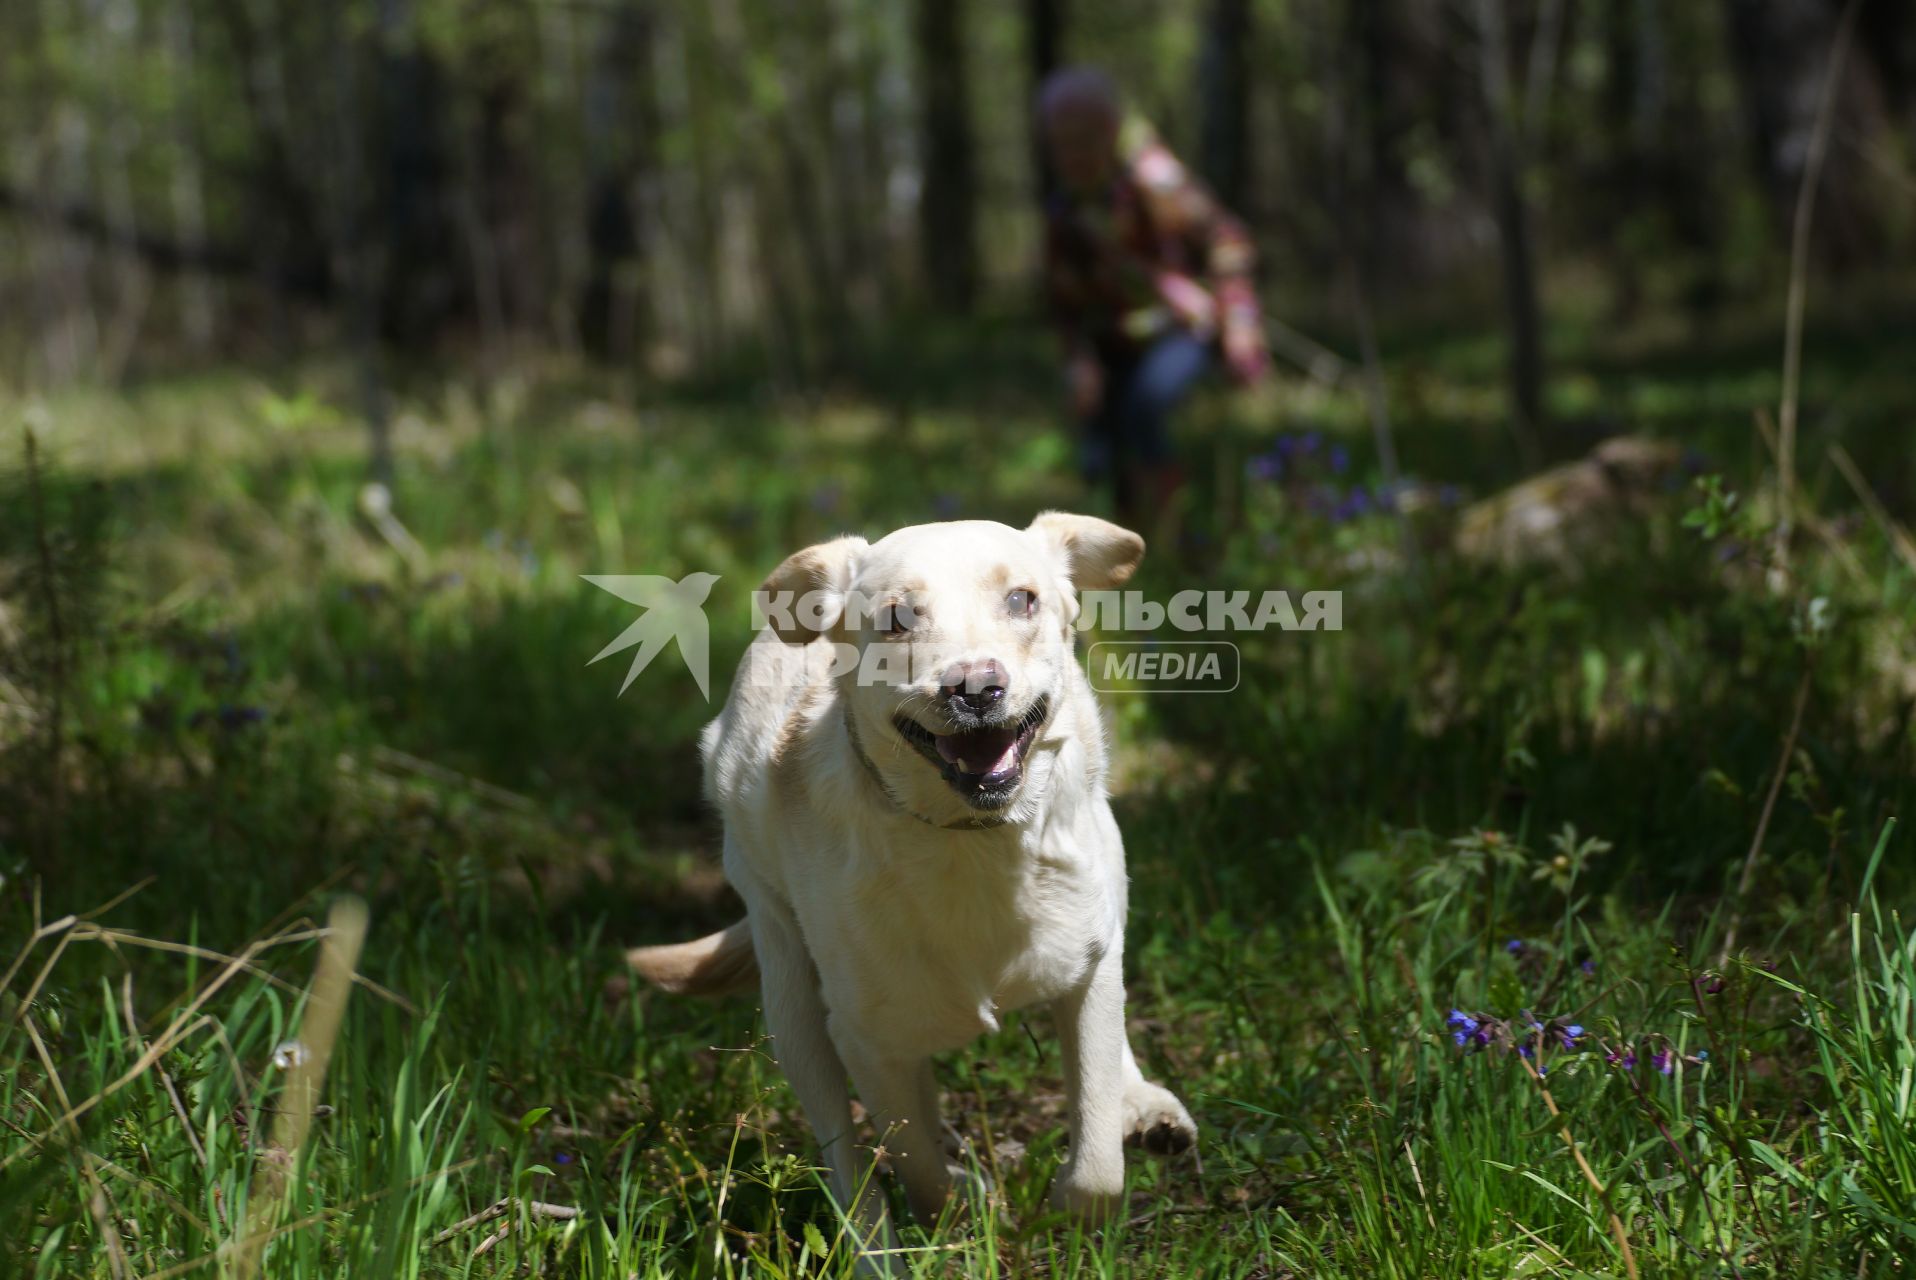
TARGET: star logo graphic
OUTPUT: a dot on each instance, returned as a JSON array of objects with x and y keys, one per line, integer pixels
[{"x": 673, "y": 611}]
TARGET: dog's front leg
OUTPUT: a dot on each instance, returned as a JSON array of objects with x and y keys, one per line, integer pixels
[
  {"x": 801, "y": 1040},
  {"x": 902, "y": 1097},
  {"x": 1090, "y": 1187}
]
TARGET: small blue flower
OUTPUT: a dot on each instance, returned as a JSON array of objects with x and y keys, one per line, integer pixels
[
  {"x": 1514, "y": 946},
  {"x": 1589, "y": 968},
  {"x": 1571, "y": 1034},
  {"x": 1702, "y": 1055},
  {"x": 1340, "y": 458},
  {"x": 1526, "y": 1051},
  {"x": 1663, "y": 1060},
  {"x": 563, "y": 1157},
  {"x": 1352, "y": 505}
]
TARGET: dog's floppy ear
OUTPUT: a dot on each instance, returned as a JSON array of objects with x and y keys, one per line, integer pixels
[
  {"x": 805, "y": 596},
  {"x": 1098, "y": 555}
]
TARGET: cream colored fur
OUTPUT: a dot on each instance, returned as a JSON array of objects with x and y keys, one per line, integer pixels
[{"x": 887, "y": 924}]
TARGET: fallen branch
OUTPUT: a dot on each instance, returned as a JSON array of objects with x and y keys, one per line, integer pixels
[{"x": 498, "y": 1209}]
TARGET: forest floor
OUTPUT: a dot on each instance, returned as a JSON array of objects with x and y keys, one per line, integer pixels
[{"x": 1620, "y": 810}]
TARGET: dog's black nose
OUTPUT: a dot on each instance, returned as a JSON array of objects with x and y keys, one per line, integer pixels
[{"x": 979, "y": 685}]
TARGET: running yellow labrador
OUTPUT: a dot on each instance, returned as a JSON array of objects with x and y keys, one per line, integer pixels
[{"x": 911, "y": 771}]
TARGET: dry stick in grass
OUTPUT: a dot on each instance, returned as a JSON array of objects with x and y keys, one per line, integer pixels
[
  {"x": 1799, "y": 278},
  {"x": 318, "y": 1030},
  {"x": 41, "y": 932},
  {"x": 1763, "y": 822},
  {"x": 120, "y": 937},
  {"x": 499, "y": 1208},
  {"x": 1583, "y": 1167},
  {"x": 176, "y": 1031}
]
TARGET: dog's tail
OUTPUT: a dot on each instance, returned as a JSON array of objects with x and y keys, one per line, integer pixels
[{"x": 715, "y": 965}]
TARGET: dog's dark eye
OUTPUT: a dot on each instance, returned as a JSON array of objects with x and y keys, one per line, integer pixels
[
  {"x": 1021, "y": 603},
  {"x": 897, "y": 618}
]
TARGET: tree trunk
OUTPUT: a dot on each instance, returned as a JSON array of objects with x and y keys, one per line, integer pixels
[
  {"x": 947, "y": 201},
  {"x": 1511, "y": 211},
  {"x": 424, "y": 285},
  {"x": 1224, "y": 98},
  {"x": 618, "y": 128},
  {"x": 1044, "y": 46}
]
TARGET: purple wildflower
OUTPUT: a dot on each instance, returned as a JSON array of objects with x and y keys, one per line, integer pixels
[
  {"x": 1268, "y": 467},
  {"x": 1570, "y": 1035},
  {"x": 1663, "y": 1060},
  {"x": 1589, "y": 968},
  {"x": 1352, "y": 505},
  {"x": 1514, "y": 946},
  {"x": 1340, "y": 459}
]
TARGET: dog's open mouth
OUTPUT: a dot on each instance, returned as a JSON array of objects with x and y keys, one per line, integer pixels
[{"x": 985, "y": 764}]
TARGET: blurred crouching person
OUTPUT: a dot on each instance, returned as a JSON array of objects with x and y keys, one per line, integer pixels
[{"x": 1149, "y": 279}]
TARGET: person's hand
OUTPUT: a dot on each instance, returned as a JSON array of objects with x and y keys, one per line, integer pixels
[
  {"x": 1245, "y": 353},
  {"x": 1189, "y": 301},
  {"x": 1086, "y": 381}
]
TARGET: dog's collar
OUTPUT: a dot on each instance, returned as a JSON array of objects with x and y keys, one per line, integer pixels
[{"x": 980, "y": 823}]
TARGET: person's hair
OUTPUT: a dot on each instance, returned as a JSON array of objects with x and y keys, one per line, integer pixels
[{"x": 1077, "y": 87}]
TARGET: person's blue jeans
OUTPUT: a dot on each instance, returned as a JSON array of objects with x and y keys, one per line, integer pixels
[{"x": 1132, "y": 426}]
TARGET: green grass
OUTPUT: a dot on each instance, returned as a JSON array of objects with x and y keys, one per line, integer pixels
[{"x": 261, "y": 707}]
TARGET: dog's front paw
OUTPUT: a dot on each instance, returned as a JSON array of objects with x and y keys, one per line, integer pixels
[
  {"x": 1090, "y": 1201},
  {"x": 1156, "y": 1122}
]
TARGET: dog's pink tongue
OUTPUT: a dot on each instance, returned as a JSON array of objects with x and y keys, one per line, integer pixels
[{"x": 983, "y": 751}]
